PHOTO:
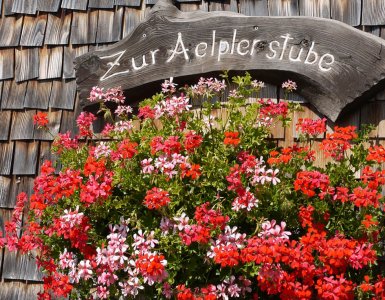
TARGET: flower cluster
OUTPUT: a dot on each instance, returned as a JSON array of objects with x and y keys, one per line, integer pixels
[{"x": 177, "y": 203}]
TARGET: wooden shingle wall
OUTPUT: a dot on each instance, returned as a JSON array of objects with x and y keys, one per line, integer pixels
[{"x": 39, "y": 40}]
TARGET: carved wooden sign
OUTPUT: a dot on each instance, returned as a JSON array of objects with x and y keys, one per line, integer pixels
[{"x": 335, "y": 64}]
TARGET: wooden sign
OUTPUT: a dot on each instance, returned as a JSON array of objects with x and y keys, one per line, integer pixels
[{"x": 335, "y": 64}]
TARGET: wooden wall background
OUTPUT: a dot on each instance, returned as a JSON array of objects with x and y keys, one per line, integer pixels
[{"x": 39, "y": 40}]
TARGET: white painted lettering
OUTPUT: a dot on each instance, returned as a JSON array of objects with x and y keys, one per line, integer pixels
[
  {"x": 239, "y": 46},
  {"x": 198, "y": 52},
  {"x": 321, "y": 60},
  {"x": 144, "y": 63},
  {"x": 224, "y": 48},
  {"x": 179, "y": 43},
  {"x": 107, "y": 75},
  {"x": 213, "y": 45},
  {"x": 153, "y": 55},
  {"x": 311, "y": 53},
  {"x": 274, "y": 52},
  {"x": 298, "y": 58},
  {"x": 233, "y": 43},
  {"x": 287, "y": 38}
]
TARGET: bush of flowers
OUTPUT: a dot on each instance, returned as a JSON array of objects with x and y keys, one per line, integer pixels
[{"x": 175, "y": 203}]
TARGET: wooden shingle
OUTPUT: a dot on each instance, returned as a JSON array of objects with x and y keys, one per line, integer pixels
[
  {"x": 150, "y": 2},
  {"x": 19, "y": 291},
  {"x": 230, "y": 5},
  {"x": 5, "y": 216},
  {"x": 83, "y": 27},
  {"x": 253, "y": 7},
  {"x": 33, "y": 30},
  {"x": 203, "y": 6},
  {"x": 26, "y": 153},
  {"x": 63, "y": 94},
  {"x": 283, "y": 8},
  {"x": 58, "y": 29},
  {"x": 12, "y": 96},
  {"x": 48, "y": 5},
  {"x": 51, "y": 62},
  {"x": 54, "y": 118},
  {"x": 132, "y": 17},
  {"x": 45, "y": 154},
  {"x": 38, "y": 93},
  {"x": 68, "y": 122},
  {"x": 7, "y": 58},
  {"x": 5, "y": 122},
  {"x": 315, "y": 8},
  {"x": 133, "y": 3},
  {"x": 19, "y": 266},
  {"x": 100, "y": 3},
  {"x": 24, "y": 7},
  {"x": 10, "y": 31},
  {"x": 27, "y": 64},
  {"x": 372, "y": 113},
  {"x": 6, "y": 154},
  {"x": 373, "y": 12},
  {"x": 74, "y": 4},
  {"x": 20, "y": 184},
  {"x": 109, "y": 26},
  {"x": 70, "y": 53},
  {"x": 22, "y": 125},
  {"x": 5, "y": 189},
  {"x": 347, "y": 11}
]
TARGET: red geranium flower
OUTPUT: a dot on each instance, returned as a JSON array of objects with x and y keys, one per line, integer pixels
[{"x": 41, "y": 119}]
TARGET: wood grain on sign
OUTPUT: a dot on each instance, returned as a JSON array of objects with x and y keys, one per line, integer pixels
[
  {"x": 13, "y": 93},
  {"x": 373, "y": 12},
  {"x": 83, "y": 28},
  {"x": 48, "y": 5},
  {"x": 58, "y": 29},
  {"x": 7, "y": 59},
  {"x": 6, "y": 152},
  {"x": 33, "y": 30},
  {"x": 10, "y": 31},
  {"x": 27, "y": 64},
  {"x": 24, "y": 6},
  {"x": 26, "y": 153},
  {"x": 332, "y": 71},
  {"x": 22, "y": 125},
  {"x": 315, "y": 8},
  {"x": 283, "y": 8},
  {"x": 347, "y": 11},
  {"x": 37, "y": 95},
  {"x": 74, "y": 4},
  {"x": 5, "y": 123}
]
